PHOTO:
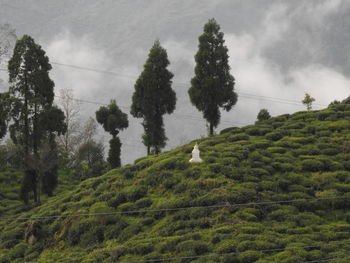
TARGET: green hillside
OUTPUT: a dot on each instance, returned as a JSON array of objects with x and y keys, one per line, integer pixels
[{"x": 277, "y": 191}]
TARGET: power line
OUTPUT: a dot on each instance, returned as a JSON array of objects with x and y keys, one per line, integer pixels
[
  {"x": 94, "y": 70},
  {"x": 241, "y": 94},
  {"x": 192, "y": 117},
  {"x": 170, "y": 209}
]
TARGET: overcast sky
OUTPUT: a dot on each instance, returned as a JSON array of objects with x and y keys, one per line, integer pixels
[{"x": 278, "y": 51}]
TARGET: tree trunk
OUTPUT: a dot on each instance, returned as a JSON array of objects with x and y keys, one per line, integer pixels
[
  {"x": 156, "y": 149},
  {"x": 148, "y": 150},
  {"x": 26, "y": 124},
  {"x": 211, "y": 129}
]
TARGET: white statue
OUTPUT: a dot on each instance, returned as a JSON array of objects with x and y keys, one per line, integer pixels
[{"x": 195, "y": 155}]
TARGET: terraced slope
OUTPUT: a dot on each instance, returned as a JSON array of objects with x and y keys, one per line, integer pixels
[{"x": 277, "y": 191}]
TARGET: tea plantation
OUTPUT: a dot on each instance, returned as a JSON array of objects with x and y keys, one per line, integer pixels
[{"x": 277, "y": 191}]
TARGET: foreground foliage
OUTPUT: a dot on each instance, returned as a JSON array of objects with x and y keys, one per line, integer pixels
[{"x": 271, "y": 169}]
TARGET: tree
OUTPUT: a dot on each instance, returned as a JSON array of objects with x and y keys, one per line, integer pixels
[
  {"x": 4, "y": 113},
  {"x": 90, "y": 160},
  {"x": 34, "y": 119},
  {"x": 70, "y": 109},
  {"x": 308, "y": 100},
  {"x": 7, "y": 40},
  {"x": 153, "y": 97},
  {"x": 263, "y": 115},
  {"x": 113, "y": 121},
  {"x": 346, "y": 101},
  {"x": 212, "y": 87}
]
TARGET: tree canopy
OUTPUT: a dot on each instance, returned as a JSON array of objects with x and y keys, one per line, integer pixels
[
  {"x": 212, "y": 87},
  {"x": 263, "y": 115},
  {"x": 307, "y": 101},
  {"x": 35, "y": 121},
  {"x": 154, "y": 97},
  {"x": 113, "y": 120}
]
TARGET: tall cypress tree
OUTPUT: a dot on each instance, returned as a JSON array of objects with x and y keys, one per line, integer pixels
[
  {"x": 113, "y": 120},
  {"x": 153, "y": 97},
  {"x": 212, "y": 87},
  {"x": 34, "y": 119}
]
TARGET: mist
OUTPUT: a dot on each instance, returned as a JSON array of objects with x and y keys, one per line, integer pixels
[{"x": 279, "y": 50}]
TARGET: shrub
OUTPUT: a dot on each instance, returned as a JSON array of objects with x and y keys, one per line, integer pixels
[
  {"x": 258, "y": 131},
  {"x": 249, "y": 256},
  {"x": 117, "y": 200},
  {"x": 135, "y": 192},
  {"x": 93, "y": 236},
  {"x": 100, "y": 208},
  {"x": 113, "y": 231},
  {"x": 144, "y": 202},
  {"x": 169, "y": 183},
  {"x": 197, "y": 247},
  {"x": 312, "y": 165},
  {"x": 263, "y": 115},
  {"x": 155, "y": 178},
  {"x": 238, "y": 137},
  {"x": 276, "y": 149},
  {"x": 75, "y": 232},
  {"x": 258, "y": 172},
  {"x": 129, "y": 232},
  {"x": 231, "y": 130},
  {"x": 274, "y": 136}
]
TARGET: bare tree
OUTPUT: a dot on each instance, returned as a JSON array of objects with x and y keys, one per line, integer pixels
[
  {"x": 71, "y": 110},
  {"x": 88, "y": 132},
  {"x": 7, "y": 39}
]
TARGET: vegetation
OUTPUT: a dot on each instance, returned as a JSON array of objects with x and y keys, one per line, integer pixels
[
  {"x": 153, "y": 97},
  {"x": 289, "y": 174},
  {"x": 34, "y": 120},
  {"x": 113, "y": 120},
  {"x": 307, "y": 101},
  {"x": 212, "y": 87},
  {"x": 263, "y": 115}
]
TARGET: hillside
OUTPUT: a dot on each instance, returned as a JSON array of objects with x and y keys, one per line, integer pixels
[{"x": 277, "y": 191}]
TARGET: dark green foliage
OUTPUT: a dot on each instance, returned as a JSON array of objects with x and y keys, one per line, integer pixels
[
  {"x": 112, "y": 118},
  {"x": 4, "y": 113},
  {"x": 346, "y": 101},
  {"x": 263, "y": 115},
  {"x": 113, "y": 121},
  {"x": 212, "y": 87},
  {"x": 29, "y": 185},
  {"x": 34, "y": 119},
  {"x": 274, "y": 136},
  {"x": 154, "y": 97},
  {"x": 312, "y": 165},
  {"x": 90, "y": 160},
  {"x": 114, "y": 152}
]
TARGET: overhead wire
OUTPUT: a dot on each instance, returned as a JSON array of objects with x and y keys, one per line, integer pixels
[
  {"x": 140, "y": 211},
  {"x": 241, "y": 94}
]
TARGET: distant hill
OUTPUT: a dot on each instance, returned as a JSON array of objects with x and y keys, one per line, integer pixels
[{"x": 276, "y": 191}]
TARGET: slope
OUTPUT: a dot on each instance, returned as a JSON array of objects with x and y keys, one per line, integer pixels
[{"x": 277, "y": 191}]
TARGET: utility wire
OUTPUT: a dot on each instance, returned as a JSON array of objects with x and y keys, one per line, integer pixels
[
  {"x": 170, "y": 209},
  {"x": 192, "y": 117},
  {"x": 241, "y": 94}
]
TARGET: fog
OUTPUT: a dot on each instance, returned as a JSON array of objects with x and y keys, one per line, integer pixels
[{"x": 278, "y": 51}]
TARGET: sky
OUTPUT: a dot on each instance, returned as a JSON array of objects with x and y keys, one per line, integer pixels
[{"x": 279, "y": 50}]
